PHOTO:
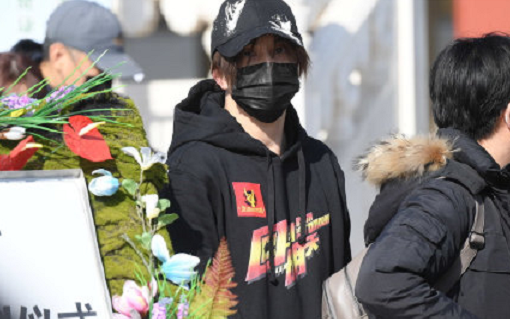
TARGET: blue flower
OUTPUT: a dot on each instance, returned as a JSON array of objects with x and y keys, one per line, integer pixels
[
  {"x": 105, "y": 185},
  {"x": 178, "y": 268},
  {"x": 159, "y": 249}
]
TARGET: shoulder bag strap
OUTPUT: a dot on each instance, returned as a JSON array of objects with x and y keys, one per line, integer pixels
[{"x": 474, "y": 242}]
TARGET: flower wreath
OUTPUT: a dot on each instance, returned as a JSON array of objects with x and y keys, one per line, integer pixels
[{"x": 173, "y": 288}]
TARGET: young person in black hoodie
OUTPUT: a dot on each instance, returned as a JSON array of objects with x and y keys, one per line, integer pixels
[{"x": 242, "y": 167}]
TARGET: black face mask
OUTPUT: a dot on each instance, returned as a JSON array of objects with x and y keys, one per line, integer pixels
[{"x": 264, "y": 90}]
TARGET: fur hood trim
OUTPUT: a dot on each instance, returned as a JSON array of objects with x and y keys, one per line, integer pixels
[{"x": 399, "y": 157}]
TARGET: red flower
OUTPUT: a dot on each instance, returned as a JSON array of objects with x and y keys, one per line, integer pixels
[
  {"x": 83, "y": 138},
  {"x": 19, "y": 156}
]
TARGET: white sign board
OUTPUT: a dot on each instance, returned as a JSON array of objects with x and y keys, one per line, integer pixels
[{"x": 50, "y": 266}]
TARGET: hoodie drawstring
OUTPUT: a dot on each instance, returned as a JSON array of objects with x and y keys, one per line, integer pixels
[
  {"x": 302, "y": 196},
  {"x": 271, "y": 218},
  {"x": 270, "y": 247}
]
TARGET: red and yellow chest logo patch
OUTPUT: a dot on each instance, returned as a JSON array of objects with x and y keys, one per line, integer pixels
[{"x": 249, "y": 200}]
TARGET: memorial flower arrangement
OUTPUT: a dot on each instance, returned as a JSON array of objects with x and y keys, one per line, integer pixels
[
  {"x": 23, "y": 117},
  {"x": 173, "y": 288}
]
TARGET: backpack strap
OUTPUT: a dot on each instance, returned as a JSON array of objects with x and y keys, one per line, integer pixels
[
  {"x": 474, "y": 242},
  {"x": 476, "y": 236}
]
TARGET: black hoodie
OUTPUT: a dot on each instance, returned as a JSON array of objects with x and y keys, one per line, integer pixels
[{"x": 224, "y": 183}]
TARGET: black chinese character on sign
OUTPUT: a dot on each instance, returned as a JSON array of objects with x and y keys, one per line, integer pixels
[
  {"x": 5, "y": 313},
  {"x": 37, "y": 312},
  {"x": 79, "y": 313}
]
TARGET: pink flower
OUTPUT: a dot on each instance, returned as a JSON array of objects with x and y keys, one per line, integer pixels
[
  {"x": 14, "y": 101},
  {"x": 158, "y": 311},
  {"x": 182, "y": 310},
  {"x": 60, "y": 93},
  {"x": 133, "y": 298},
  {"x": 159, "y": 308}
]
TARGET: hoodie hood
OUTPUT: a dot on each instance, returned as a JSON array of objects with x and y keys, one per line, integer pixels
[{"x": 202, "y": 117}]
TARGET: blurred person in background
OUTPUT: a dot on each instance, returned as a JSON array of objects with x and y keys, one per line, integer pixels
[
  {"x": 425, "y": 211},
  {"x": 12, "y": 66},
  {"x": 77, "y": 33},
  {"x": 30, "y": 49},
  {"x": 242, "y": 167}
]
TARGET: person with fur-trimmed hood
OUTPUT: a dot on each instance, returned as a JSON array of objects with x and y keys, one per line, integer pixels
[{"x": 426, "y": 206}]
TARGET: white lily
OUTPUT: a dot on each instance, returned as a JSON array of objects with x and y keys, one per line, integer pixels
[
  {"x": 151, "y": 206},
  {"x": 147, "y": 158},
  {"x": 13, "y": 133}
]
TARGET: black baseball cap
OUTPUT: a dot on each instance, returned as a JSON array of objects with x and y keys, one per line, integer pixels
[
  {"x": 240, "y": 21},
  {"x": 88, "y": 26}
]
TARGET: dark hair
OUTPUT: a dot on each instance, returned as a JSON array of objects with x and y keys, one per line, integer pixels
[
  {"x": 228, "y": 66},
  {"x": 470, "y": 84},
  {"x": 12, "y": 66},
  {"x": 29, "y": 48}
]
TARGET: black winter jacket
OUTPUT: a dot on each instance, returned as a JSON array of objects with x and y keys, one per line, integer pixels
[
  {"x": 225, "y": 183},
  {"x": 425, "y": 232}
]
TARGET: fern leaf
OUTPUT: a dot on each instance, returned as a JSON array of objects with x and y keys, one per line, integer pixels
[{"x": 214, "y": 299}]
